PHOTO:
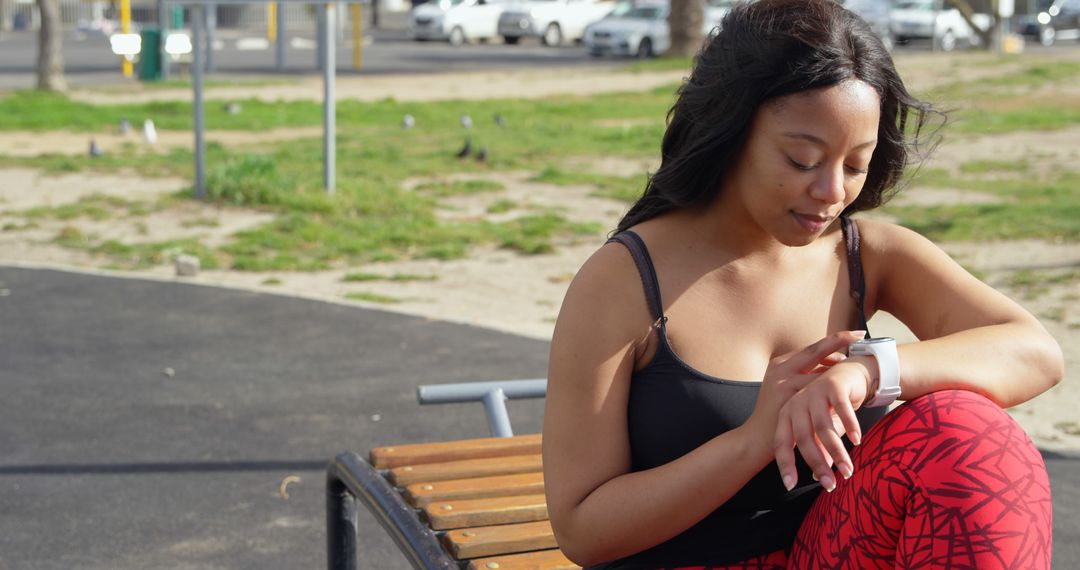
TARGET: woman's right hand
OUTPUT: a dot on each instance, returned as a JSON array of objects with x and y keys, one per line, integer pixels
[{"x": 789, "y": 373}]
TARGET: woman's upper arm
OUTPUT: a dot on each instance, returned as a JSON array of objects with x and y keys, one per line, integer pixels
[
  {"x": 923, "y": 287},
  {"x": 585, "y": 442}
]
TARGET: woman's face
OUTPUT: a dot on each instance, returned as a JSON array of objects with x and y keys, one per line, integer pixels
[{"x": 806, "y": 159}]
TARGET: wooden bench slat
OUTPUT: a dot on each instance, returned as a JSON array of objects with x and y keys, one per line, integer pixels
[
  {"x": 443, "y": 451},
  {"x": 545, "y": 559},
  {"x": 445, "y": 515},
  {"x": 425, "y": 493},
  {"x": 499, "y": 540},
  {"x": 509, "y": 465}
]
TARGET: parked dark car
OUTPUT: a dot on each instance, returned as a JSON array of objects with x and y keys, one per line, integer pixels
[
  {"x": 1056, "y": 20},
  {"x": 876, "y": 13}
]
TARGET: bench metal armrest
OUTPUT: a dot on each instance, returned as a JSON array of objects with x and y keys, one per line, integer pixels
[
  {"x": 348, "y": 478},
  {"x": 492, "y": 394}
]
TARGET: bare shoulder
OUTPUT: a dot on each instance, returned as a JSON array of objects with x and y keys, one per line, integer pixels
[
  {"x": 606, "y": 293},
  {"x": 879, "y": 236}
]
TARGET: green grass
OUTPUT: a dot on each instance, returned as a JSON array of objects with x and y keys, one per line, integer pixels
[
  {"x": 1032, "y": 283},
  {"x": 1009, "y": 102},
  {"x": 625, "y": 188},
  {"x": 1033, "y": 207},
  {"x": 359, "y": 277},
  {"x": 136, "y": 256},
  {"x": 442, "y": 189},
  {"x": 371, "y": 218},
  {"x": 372, "y": 297},
  {"x": 501, "y": 206},
  {"x": 994, "y": 166},
  {"x": 95, "y": 207},
  {"x": 1037, "y": 117},
  {"x": 661, "y": 64}
]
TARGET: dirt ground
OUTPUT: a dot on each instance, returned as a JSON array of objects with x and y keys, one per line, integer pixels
[{"x": 496, "y": 288}]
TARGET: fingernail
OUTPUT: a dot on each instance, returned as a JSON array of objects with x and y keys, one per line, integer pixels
[
  {"x": 859, "y": 334},
  {"x": 828, "y": 483},
  {"x": 855, "y": 437},
  {"x": 815, "y": 477},
  {"x": 789, "y": 482},
  {"x": 845, "y": 470}
]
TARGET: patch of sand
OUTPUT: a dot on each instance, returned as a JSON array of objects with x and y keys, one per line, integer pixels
[
  {"x": 25, "y": 188},
  {"x": 524, "y": 84}
]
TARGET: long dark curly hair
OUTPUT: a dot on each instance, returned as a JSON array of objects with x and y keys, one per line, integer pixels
[{"x": 765, "y": 50}]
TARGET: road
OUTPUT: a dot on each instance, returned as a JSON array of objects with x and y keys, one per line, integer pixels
[
  {"x": 244, "y": 53},
  {"x": 89, "y": 61}
]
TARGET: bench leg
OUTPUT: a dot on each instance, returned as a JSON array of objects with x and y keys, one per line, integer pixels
[
  {"x": 350, "y": 482},
  {"x": 341, "y": 517}
]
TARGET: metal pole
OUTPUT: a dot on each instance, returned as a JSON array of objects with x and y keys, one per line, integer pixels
[
  {"x": 320, "y": 41},
  {"x": 329, "y": 104},
  {"x": 279, "y": 48},
  {"x": 125, "y": 28},
  {"x": 498, "y": 418},
  {"x": 198, "y": 20},
  {"x": 475, "y": 391},
  {"x": 211, "y": 23}
]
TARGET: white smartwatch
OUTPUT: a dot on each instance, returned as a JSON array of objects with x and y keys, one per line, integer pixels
[{"x": 883, "y": 349}]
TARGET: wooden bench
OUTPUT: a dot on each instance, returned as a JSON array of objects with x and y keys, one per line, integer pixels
[
  {"x": 471, "y": 503},
  {"x": 474, "y": 503}
]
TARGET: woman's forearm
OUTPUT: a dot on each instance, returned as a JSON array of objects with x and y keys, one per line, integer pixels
[
  {"x": 638, "y": 510},
  {"x": 1009, "y": 363}
]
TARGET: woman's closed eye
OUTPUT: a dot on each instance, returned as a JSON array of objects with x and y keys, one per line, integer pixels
[{"x": 809, "y": 167}]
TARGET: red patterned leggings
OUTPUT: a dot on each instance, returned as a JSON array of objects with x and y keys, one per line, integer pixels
[{"x": 947, "y": 480}]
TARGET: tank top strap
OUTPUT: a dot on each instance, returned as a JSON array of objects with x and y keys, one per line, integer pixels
[
  {"x": 855, "y": 270},
  {"x": 640, "y": 253}
]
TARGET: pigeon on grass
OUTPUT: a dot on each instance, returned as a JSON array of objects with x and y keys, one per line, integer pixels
[{"x": 465, "y": 150}]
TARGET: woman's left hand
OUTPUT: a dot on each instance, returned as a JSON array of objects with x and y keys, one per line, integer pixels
[{"x": 817, "y": 417}]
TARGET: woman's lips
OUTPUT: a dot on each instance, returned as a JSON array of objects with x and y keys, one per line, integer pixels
[{"x": 812, "y": 222}]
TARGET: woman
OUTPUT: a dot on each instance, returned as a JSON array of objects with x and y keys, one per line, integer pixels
[{"x": 700, "y": 395}]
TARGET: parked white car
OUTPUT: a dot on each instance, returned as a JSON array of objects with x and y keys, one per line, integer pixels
[
  {"x": 926, "y": 19},
  {"x": 553, "y": 21},
  {"x": 643, "y": 31},
  {"x": 456, "y": 21}
]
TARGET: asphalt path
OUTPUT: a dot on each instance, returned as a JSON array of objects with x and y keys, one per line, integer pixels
[
  {"x": 149, "y": 424},
  {"x": 111, "y": 461}
]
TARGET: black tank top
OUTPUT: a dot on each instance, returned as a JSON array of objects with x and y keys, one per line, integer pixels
[{"x": 673, "y": 409}]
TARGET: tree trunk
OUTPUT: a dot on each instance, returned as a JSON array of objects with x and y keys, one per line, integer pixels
[
  {"x": 986, "y": 37},
  {"x": 686, "y": 22},
  {"x": 50, "y": 48}
]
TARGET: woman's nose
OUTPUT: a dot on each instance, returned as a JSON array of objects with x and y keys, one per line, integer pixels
[{"x": 829, "y": 185}]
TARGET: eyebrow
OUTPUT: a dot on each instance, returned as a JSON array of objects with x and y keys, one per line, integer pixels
[{"x": 820, "y": 142}]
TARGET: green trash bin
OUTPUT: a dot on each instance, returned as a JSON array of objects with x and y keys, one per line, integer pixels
[{"x": 150, "y": 55}]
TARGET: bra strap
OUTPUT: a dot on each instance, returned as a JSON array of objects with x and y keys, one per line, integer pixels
[
  {"x": 640, "y": 253},
  {"x": 855, "y": 270}
]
